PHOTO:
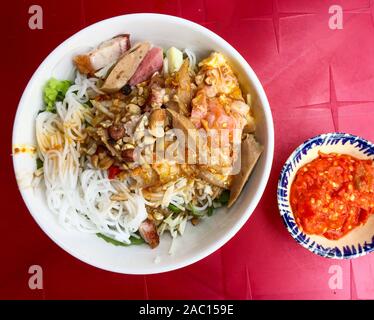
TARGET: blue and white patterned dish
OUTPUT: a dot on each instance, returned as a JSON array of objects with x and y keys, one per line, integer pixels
[{"x": 360, "y": 240}]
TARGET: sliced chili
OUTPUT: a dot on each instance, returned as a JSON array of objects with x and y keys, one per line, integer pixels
[{"x": 113, "y": 171}]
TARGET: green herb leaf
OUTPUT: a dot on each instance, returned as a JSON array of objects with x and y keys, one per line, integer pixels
[
  {"x": 174, "y": 209},
  {"x": 210, "y": 211},
  {"x": 54, "y": 90},
  {"x": 224, "y": 197},
  {"x": 134, "y": 241},
  {"x": 39, "y": 163}
]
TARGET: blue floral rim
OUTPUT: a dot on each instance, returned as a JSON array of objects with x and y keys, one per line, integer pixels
[{"x": 347, "y": 252}]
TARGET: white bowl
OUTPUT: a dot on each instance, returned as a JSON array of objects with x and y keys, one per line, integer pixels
[
  {"x": 360, "y": 240},
  {"x": 197, "y": 242}
]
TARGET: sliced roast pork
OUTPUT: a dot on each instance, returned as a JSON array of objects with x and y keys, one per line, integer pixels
[
  {"x": 125, "y": 67},
  {"x": 148, "y": 232},
  {"x": 105, "y": 54},
  {"x": 152, "y": 62}
]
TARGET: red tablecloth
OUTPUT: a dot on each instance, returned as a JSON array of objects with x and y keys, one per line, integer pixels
[{"x": 317, "y": 80}]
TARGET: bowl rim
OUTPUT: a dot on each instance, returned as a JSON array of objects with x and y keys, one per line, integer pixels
[
  {"x": 295, "y": 231},
  {"x": 269, "y": 128}
]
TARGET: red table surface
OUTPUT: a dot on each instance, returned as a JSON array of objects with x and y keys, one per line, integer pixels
[{"x": 317, "y": 80}]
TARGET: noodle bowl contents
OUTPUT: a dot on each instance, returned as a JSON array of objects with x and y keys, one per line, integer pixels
[{"x": 144, "y": 141}]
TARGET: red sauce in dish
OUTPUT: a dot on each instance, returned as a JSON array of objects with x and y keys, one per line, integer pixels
[{"x": 333, "y": 194}]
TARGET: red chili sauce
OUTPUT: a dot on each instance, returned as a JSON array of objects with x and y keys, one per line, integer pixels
[{"x": 333, "y": 194}]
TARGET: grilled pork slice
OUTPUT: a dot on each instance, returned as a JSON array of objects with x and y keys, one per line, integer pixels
[
  {"x": 250, "y": 153},
  {"x": 152, "y": 62},
  {"x": 148, "y": 231},
  {"x": 106, "y": 53},
  {"x": 125, "y": 67}
]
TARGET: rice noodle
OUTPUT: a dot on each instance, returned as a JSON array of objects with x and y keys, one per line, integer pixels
[
  {"x": 81, "y": 197},
  {"x": 192, "y": 57},
  {"x": 165, "y": 67},
  {"x": 180, "y": 193}
]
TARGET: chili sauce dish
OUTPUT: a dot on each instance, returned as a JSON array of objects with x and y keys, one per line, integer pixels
[{"x": 326, "y": 195}]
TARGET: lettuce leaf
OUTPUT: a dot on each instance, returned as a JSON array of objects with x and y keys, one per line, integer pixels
[
  {"x": 133, "y": 240},
  {"x": 54, "y": 90}
]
